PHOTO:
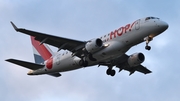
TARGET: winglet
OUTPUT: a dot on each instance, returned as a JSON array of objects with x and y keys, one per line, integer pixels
[{"x": 14, "y": 26}]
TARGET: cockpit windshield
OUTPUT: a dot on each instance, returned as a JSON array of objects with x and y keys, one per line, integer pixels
[{"x": 148, "y": 18}]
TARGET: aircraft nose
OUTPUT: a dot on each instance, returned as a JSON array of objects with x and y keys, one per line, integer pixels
[{"x": 163, "y": 25}]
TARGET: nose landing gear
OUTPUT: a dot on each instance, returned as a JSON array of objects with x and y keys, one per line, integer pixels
[
  {"x": 148, "y": 39},
  {"x": 148, "y": 47}
]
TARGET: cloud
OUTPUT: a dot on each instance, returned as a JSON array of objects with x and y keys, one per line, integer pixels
[{"x": 84, "y": 20}]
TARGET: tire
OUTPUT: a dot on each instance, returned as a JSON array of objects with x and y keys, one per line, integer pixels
[
  {"x": 108, "y": 72},
  {"x": 113, "y": 72}
]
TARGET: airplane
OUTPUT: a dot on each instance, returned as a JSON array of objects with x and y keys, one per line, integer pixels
[{"x": 108, "y": 50}]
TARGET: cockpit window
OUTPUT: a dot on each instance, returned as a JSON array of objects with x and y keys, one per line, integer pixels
[{"x": 148, "y": 18}]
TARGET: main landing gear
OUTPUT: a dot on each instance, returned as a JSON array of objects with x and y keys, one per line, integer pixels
[
  {"x": 83, "y": 63},
  {"x": 110, "y": 71},
  {"x": 148, "y": 39}
]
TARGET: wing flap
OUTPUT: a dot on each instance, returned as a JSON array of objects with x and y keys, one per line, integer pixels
[
  {"x": 25, "y": 64},
  {"x": 143, "y": 69}
]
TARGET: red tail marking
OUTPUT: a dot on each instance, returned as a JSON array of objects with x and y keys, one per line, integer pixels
[
  {"x": 43, "y": 51},
  {"x": 49, "y": 63}
]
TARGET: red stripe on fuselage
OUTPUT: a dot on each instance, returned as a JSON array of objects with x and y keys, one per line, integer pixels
[
  {"x": 43, "y": 51},
  {"x": 49, "y": 63}
]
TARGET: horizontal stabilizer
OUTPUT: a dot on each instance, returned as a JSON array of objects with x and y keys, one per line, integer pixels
[
  {"x": 55, "y": 74},
  {"x": 25, "y": 64}
]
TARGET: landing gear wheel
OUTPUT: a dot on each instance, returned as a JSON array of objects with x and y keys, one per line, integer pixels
[
  {"x": 110, "y": 72},
  {"x": 113, "y": 72},
  {"x": 148, "y": 39},
  {"x": 91, "y": 57},
  {"x": 83, "y": 63},
  {"x": 148, "y": 47}
]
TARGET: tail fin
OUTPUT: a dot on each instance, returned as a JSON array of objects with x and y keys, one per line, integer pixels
[{"x": 41, "y": 51}]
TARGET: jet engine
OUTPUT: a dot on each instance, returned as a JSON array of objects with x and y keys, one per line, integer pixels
[
  {"x": 136, "y": 59},
  {"x": 93, "y": 45}
]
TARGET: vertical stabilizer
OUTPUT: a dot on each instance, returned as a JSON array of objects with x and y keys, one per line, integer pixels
[{"x": 41, "y": 51}]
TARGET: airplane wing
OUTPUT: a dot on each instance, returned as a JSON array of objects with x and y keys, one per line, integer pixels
[
  {"x": 142, "y": 69},
  {"x": 59, "y": 42},
  {"x": 119, "y": 62},
  {"x": 122, "y": 59}
]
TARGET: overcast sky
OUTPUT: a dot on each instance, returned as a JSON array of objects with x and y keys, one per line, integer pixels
[{"x": 84, "y": 20}]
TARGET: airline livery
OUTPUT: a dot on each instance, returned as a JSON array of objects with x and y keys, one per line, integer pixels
[{"x": 108, "y": 50}]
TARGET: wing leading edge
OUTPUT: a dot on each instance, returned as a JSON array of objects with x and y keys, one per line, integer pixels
[{"x": 59, "y": 42}]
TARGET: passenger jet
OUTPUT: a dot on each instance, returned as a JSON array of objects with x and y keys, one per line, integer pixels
[{"x": 108, "y": 50}]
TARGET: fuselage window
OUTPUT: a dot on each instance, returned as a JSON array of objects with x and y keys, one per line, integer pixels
[
  {"x": 107, "y": 39},
  {"x": 147, "y": 18}
]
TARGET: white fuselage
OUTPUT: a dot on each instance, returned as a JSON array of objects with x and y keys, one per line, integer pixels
[{"x": 115, "y": 44}]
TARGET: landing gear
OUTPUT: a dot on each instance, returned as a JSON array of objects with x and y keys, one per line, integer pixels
[
  {"x": 148, "y": 39},
  {"x": 83, "y": 63},
  {"x": 148, "y": 47},
  {"x": 111, "y": 72},
  {"x": 91, "y": 57}
]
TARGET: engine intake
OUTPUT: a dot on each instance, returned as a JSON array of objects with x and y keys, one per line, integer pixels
[
  {"x": 136, "y": 59},
  {"x": 93, "y": 45}
]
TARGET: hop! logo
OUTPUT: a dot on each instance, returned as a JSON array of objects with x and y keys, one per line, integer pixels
[{"x": 122, "y": 30}]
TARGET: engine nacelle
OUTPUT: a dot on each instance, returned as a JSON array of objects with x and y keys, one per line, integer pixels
[
  {"x": 136, "y": 59},
  {"x": 93, "y": 45}
]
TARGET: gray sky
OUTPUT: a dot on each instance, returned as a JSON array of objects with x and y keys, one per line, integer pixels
[{"x": 84, "y": 20}]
